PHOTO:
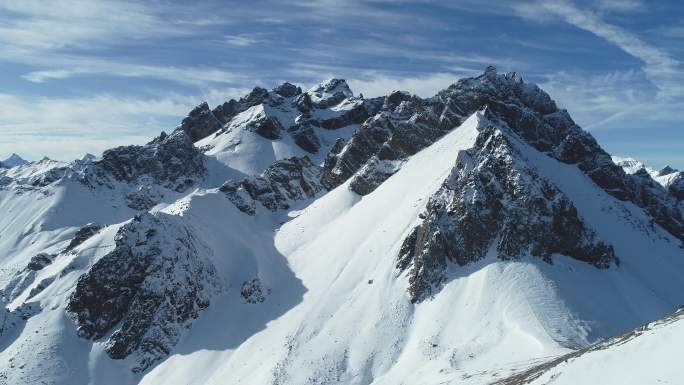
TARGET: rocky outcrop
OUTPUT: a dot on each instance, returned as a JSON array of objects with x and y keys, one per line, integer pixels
[
  {"x": 406, "y": 124},
  {"x": 171, "y": 161},
  {"x": 354, "y": 115},
  {"x": 146, "y": 291},
  {"x": 266, "y": 126},
  {"x": 200, "y": 122},
  {"x": 676, "y": 187},
  {"x": 39, "y": 261},
  {"x": 493, "y": 201},
  {"x": 304, "y": 135},
  {"x": 403, "y": 126},
  {"x": 277, "y": 188},
  {"x": 287, "y": 90},
  {"x": 253, "y": 292},
  {"x": 82, "y": 235}
]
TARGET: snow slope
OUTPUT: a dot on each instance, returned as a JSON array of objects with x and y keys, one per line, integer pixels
[{"x": 647, "y": 355}]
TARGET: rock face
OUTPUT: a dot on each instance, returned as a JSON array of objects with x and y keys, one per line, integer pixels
[
  {"x": 170, "y": 160},
  {"x": 287, "y": 110},
  {"x": 253, "y": 292},
  {"x": 82, "y": 235},
  {"x": 147, "y": 290},
  {"x": 406, "y": 124},
  {"x": 200, "y": 123},
  {"x": 493, "y": 201},
  {"x": 39, "y": 261},
  {"x": 676, "y": 187},
  {"x": 283, "y": 183}
]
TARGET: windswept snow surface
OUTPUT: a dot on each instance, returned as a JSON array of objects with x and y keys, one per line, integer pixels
[
  {"x": 650, "y": 354},
  {"x": 328, "y": 305}
]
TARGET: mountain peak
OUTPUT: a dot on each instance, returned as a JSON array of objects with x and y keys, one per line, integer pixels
[
  {"x": 667, "y": 170},
  {"x": 330, "y": 92},
  {"x": 13, "y": 161}
]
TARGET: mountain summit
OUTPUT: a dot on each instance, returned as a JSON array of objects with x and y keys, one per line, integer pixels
[
  {"x": 13, "y": 161},
  {"x": 314, "y": 237}
]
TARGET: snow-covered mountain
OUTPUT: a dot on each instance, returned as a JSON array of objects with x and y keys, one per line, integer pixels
[
  {"x": 13, "y": 161},
  {"x": 316, "y": 237},
  {"x": 668, "y": 177}
]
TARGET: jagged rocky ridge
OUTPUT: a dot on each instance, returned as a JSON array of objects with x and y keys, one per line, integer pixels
[
  {"x": 171, "y": 161},
  {"x": 406, "y": 124},
  {"x": 286, "y": 110},
  {"x": 282, "y": 183},
  {"x": 167, "y": 162},
  {"x": 146, "y": 291},
  {"x": 493, "y": 201}
]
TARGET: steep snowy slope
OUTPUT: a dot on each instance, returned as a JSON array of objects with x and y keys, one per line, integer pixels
[
  {"x": 647, "y": 355},
  {"x": 316, "y": 237}
]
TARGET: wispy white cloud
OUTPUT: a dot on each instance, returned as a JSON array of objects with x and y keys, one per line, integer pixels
[
  {"x": 241, "y": 40},
  {"x": 183, "y": 75},
  {"x": 56, "y": 24},
  {"x": 372, "y": 84},
  {"x": 65, "y": 128},
  {"x": 664, "y": 70},
  {"x": 621, "y": 5}
]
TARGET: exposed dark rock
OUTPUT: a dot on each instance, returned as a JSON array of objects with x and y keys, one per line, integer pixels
[
  {"x": 257, "y": 96},
  {"x": 172, "y": 161},
  {"x": 304, "y": 136},
  {"x": 268, "y": 127},
  {"x": 304, "y": 103},
  {"x": 200, "y": 123},
  {"x": 282, "y": 183},
  {"x": 144, "y": 197},
  {"x": 225, "y": 112},
  {"x": 393, "y": 100},
  {"x": 389, "y": 135},
  {"x": 492, "y": 199},
  {"x": 39, "y": 261},
  {"x": 148, "y": 289},
  {"x": 287, "y": 90},
  {"x": 373, "y": 174},
  {"x": 406, "y": 124},
  {"x": 355, "y": 115},
  {"x": 252, "y": 291},
  {"x": 49, "y": 177},
  {"x": 667, "y": 170},
  {"x": 676, "y": 187},
  {"x": 82, "y": 235}
]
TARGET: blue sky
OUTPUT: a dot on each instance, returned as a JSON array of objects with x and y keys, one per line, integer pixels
[{"x": 83, "y": 76}]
